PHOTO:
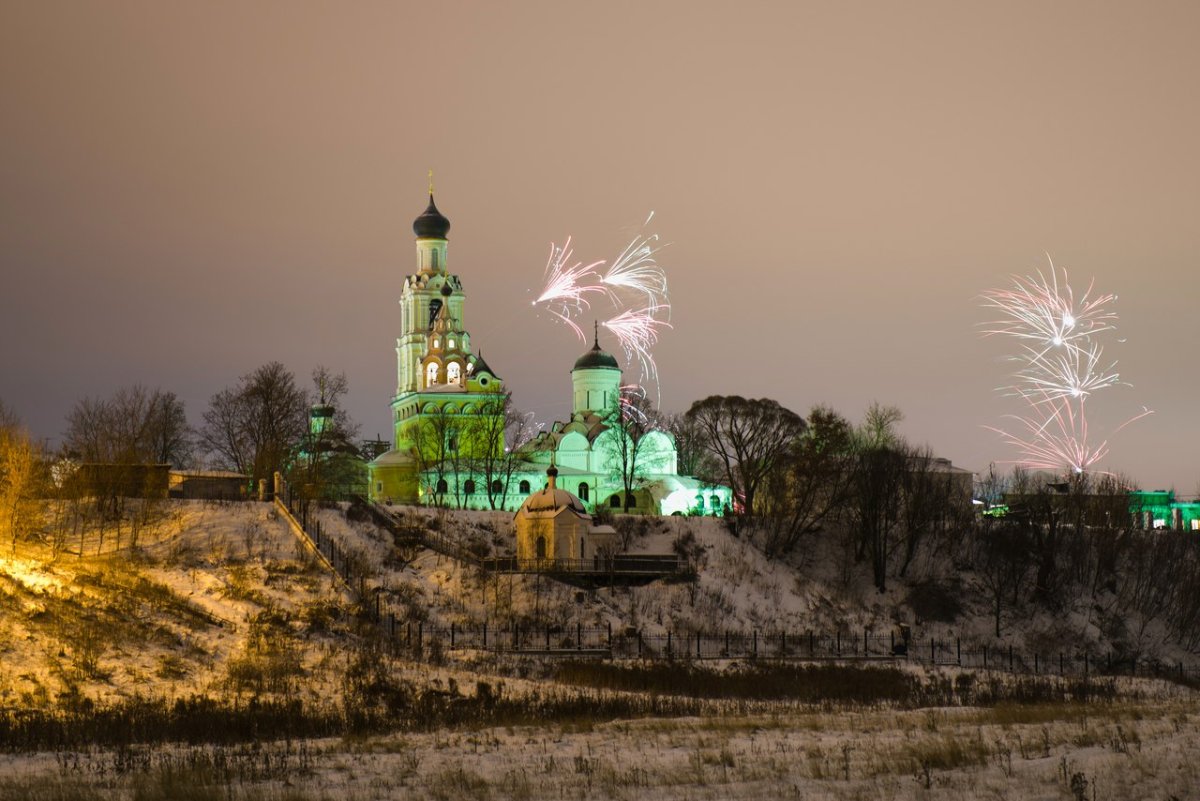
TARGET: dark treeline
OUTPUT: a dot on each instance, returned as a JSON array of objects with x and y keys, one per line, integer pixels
[{"x": 893, "y": 510}]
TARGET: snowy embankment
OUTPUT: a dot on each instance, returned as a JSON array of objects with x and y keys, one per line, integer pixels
[{"x": 819, "y": 588}]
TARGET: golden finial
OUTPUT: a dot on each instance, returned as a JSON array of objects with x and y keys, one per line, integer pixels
[{"x": 431, "y": 183}]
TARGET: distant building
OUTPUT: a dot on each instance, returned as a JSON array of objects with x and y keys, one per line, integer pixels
[{"x": 210, "y": 485}]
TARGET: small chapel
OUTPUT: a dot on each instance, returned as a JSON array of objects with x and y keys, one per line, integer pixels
[{"x": 446, "y": 394}]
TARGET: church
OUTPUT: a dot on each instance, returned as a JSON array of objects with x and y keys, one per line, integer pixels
[{"x": 449, "y": 415}]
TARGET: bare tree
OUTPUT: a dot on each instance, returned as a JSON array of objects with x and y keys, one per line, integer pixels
[
  {"x": 628, "y": 423},
  {"x": 1002, "y": 563},
  {"x": 255, "y": 426},
  {"x": 747, "y": 438},
  {"x": 20, "y": 480},
  {"x": 490, "y": 438},
  {"x": 135, "y": 426},
  {"x": 812, "y": 483}
]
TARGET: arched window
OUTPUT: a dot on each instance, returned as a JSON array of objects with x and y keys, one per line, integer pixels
[
  {"x": 453, "y": 372},
  {"x": 497, "y": 487},
  {"x": 583, "y": 491},
  {"x": 450, "y": 343},
  {"x": 431, "y": 371},
  {"x": 716, "y": 502},
  {"x": 523, "y": 487},
  {"x": 615, "y": 501},
  {"x": 442, "y": 487},
  {"x": 433, "y": 259},
  {"x": 437, "y": 343},
  {"x": 540, "y": 547},
  {"x": 469, "y": 487}
]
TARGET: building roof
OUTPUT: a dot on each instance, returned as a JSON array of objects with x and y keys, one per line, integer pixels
[
  {"x": 596, "y": 358},
  {"x": 432, "y": 224},
  {"x": 551, "y": 501}
]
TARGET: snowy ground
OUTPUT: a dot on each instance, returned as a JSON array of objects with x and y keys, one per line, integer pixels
[
  {"x": 1146, "y": 750},
  {"x": 213, "y": 592},
  {"x": 818, "y": 588}
]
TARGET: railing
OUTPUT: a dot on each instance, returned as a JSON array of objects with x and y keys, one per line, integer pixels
[{"x": 576, "y": 641}]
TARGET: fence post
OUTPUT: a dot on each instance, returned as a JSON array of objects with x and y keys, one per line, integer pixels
[
  {"x": 932, "y": 652},
  {"x": 452, "y": 631},
  {"x": 1060, "y": 663},
  {"x": 755, "y": 644},
  {"x": 958, "y": 649},
  {"x": 727, "y": 643},
  {"x": 985, "y": 656},
  {"x": 485, "y": 635},
  {"x": 1085, "y": 664},
  {"x": 1010, "y": 659},
  {"x": 698, "y": 635},
  {"x": 610, "y": 635},
  {"x": 377, "y": 606},
  {"x": 812, "y": 642},
  {"x": 865, "y": 647},
  {"x": 420, "y": 634},
  {"x": 639, "y": 643},
  {"x": 578, "y": 636},
  {"x": 1036, "y": 666},
  {"x": 392, "y": 623},
  {"x": 782, "y": 644},
  {"x": 547, "y": 636},
  {"x": 838, "y": 636}
]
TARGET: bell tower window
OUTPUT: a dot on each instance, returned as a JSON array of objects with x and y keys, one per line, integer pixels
[
  {"x": 453, "y": 372},
  {"x": 431, "y": 371}
]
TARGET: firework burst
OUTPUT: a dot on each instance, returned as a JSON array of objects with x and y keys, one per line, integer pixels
[
  {"x": 1061, "y": 367},
  {"x": 635, "y": 285}
]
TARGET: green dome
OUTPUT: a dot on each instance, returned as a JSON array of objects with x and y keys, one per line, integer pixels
[{"x": 595, "y": 358}]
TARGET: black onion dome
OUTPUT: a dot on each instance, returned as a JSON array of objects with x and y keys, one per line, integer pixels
[
  {"x": 432, "y": 224},
  {"x": 596, "y": 358}
]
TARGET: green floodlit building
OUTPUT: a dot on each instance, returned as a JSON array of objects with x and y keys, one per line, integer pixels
[
  {"x": 449, "y": 401},
  {"x": 1160, "y": 509}
]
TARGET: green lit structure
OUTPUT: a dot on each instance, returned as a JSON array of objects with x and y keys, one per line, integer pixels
[
  {"x": 1160, "y": 509},
  {"x": 450, "y": 403}
]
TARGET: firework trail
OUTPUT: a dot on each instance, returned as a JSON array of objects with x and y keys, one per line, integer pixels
[
  {"x": 637, "y": 270},
  {"x": 567, "y": 286},
  {"x": 635, "y": 285},
  {"x": 1061, "y": 366}
]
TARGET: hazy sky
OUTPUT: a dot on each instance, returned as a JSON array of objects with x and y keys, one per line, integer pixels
[{"x": 190, "y": 190}]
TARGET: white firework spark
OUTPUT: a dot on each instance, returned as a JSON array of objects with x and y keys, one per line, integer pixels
[
  {"x": 1061, "y": 367},
  {"x": 567, "y": 286},
  {"x": 637, "y": 331},
  {"x": 635, "y": 284},
  {"x": 637, "y": 270}
]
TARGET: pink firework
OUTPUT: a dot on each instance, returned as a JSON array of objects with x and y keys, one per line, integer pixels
[
  {"x": 568, "y": 285},
  {"x": 638, "y": 332},
  {"x": 1061, "y": 367}
]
